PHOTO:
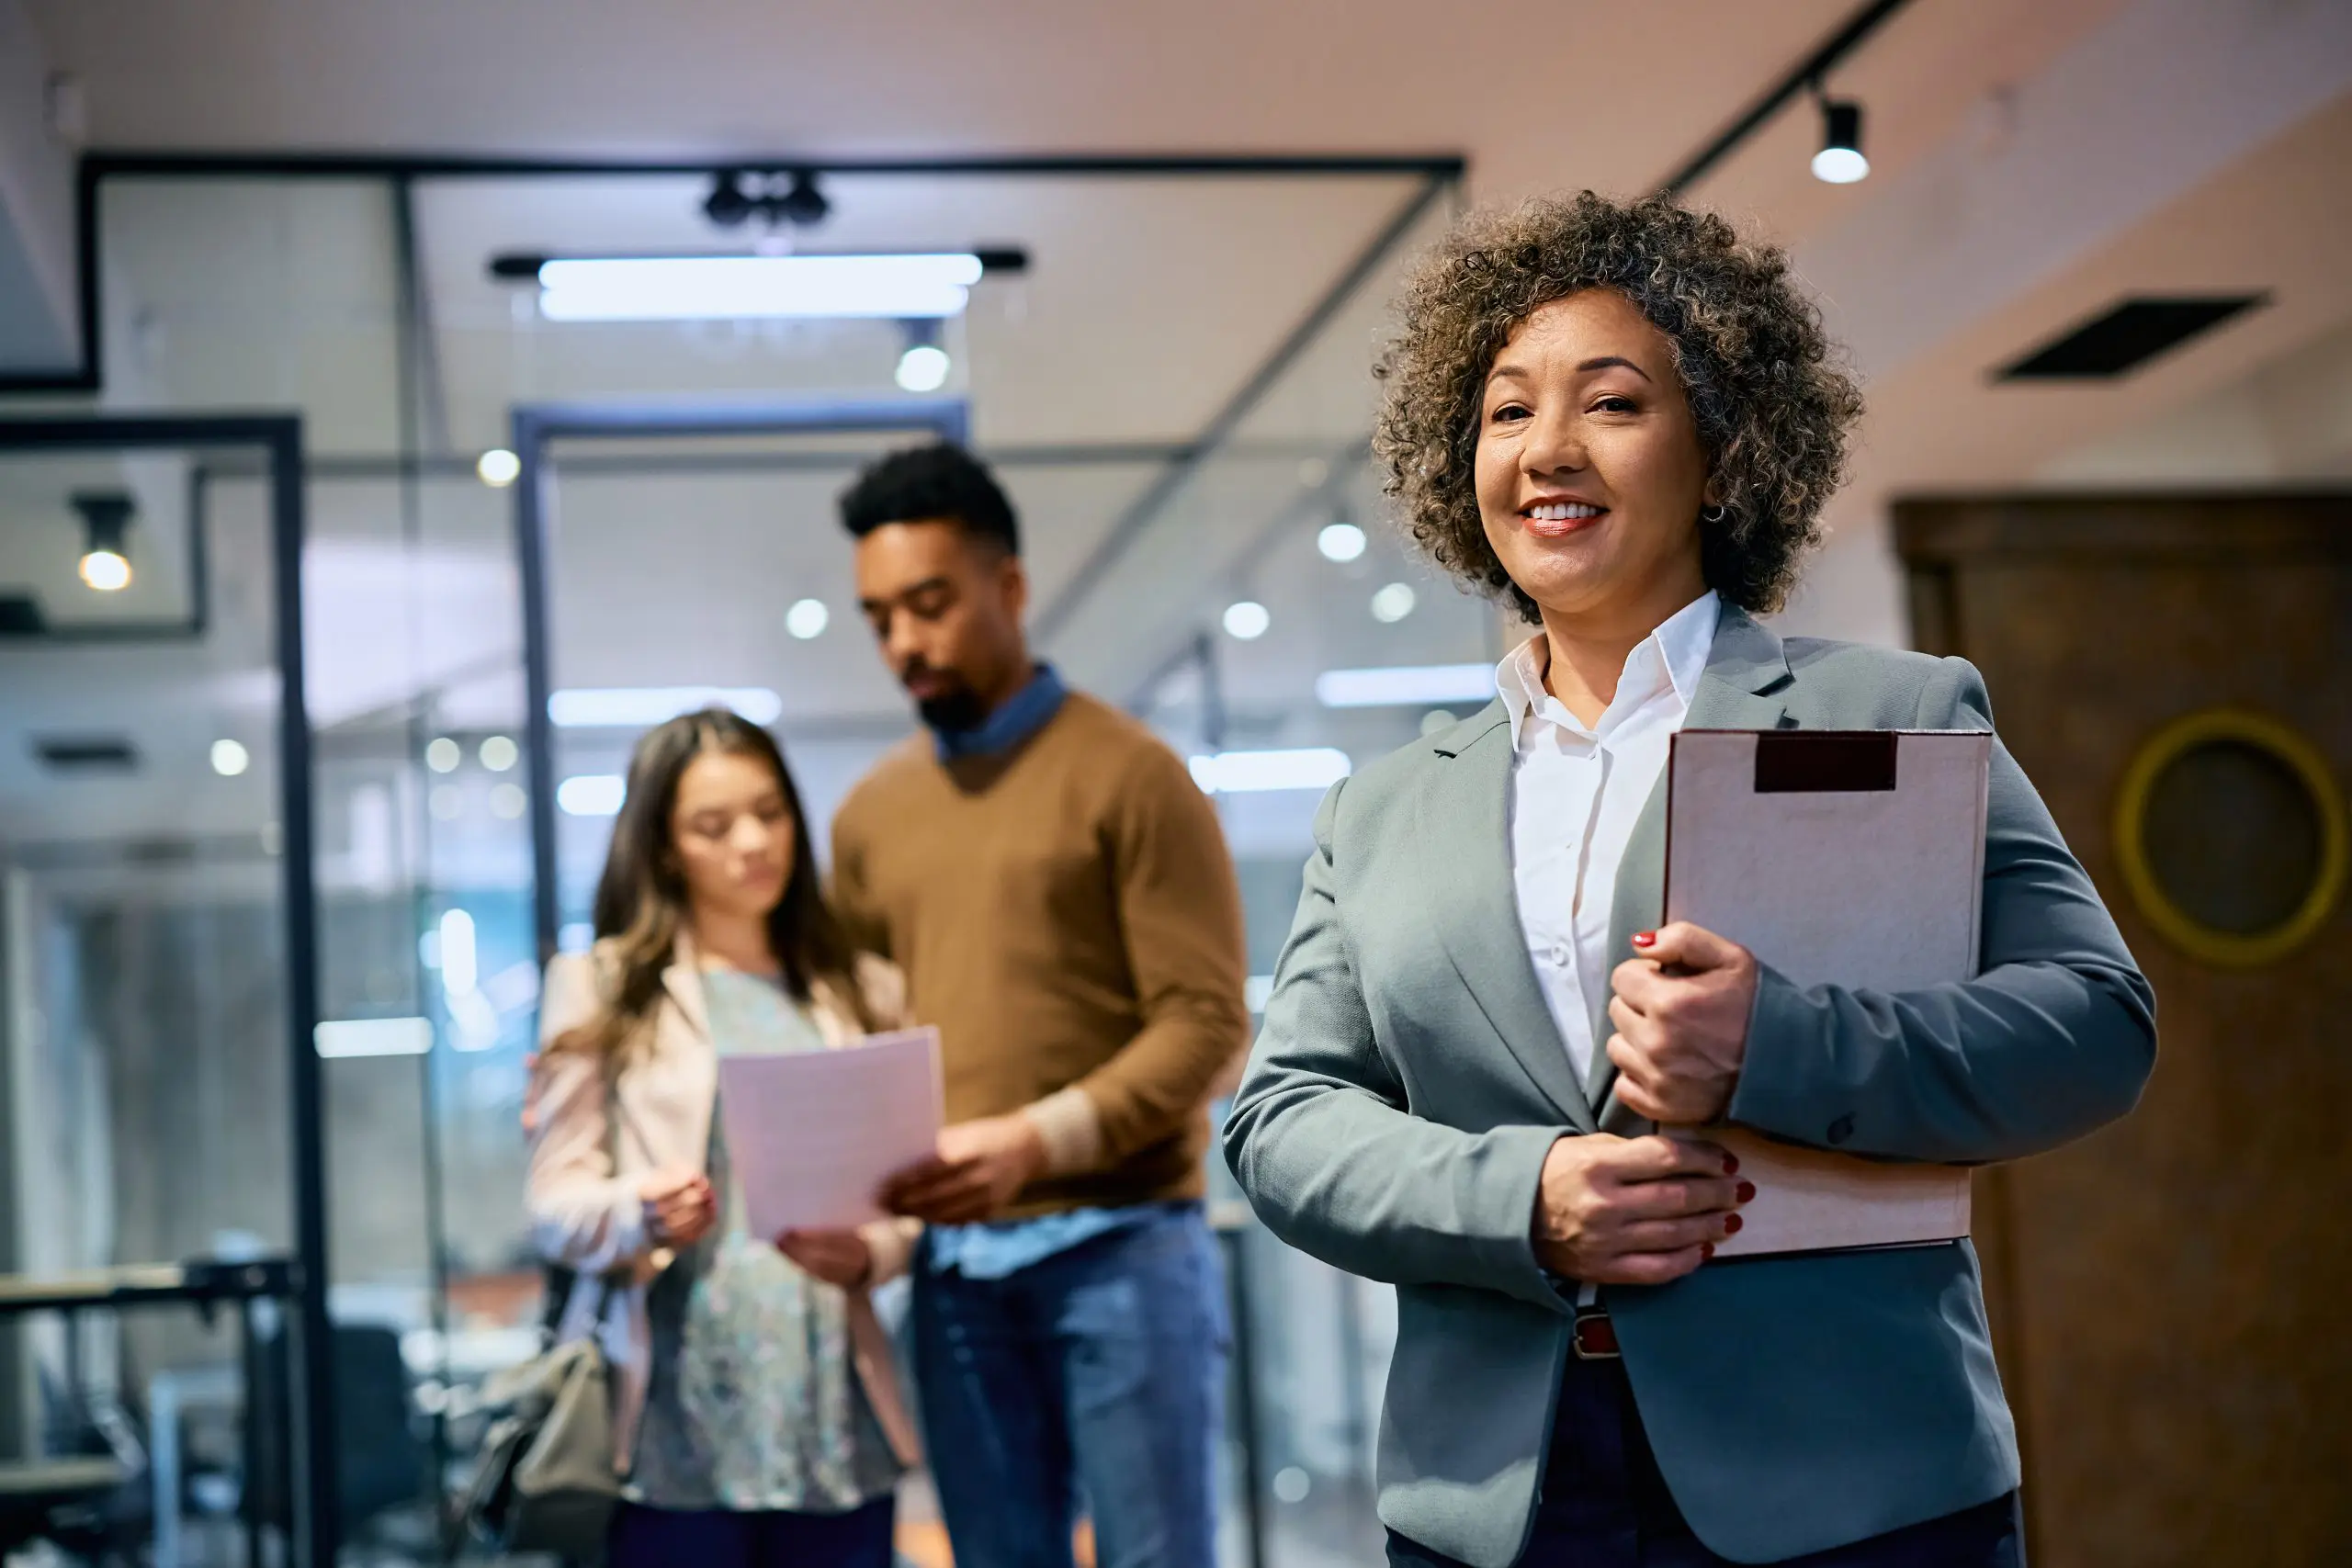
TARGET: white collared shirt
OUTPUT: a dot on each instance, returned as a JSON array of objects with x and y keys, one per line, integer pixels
[{"x": 1574, "y": 796}]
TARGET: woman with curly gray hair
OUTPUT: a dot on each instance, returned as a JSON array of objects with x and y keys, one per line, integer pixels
[{"x": 1625, "y": 420}]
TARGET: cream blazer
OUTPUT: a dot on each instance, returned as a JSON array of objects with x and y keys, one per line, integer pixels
[{"x": 581, "y": 1192}]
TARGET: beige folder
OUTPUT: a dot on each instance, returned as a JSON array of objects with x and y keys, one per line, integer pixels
[{"x": 1844, "y": 858}]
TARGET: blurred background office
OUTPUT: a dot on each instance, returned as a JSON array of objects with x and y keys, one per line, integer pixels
[{"x": 379, "y": 455}]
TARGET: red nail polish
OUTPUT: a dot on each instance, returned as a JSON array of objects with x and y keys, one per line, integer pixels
[
  {"x": 1745, "y": 1190},
  {"x": 1706, "y": 1249},
  {"x": 1645, "y": 939},
  {"x": 1732, "y": 1224},
  {"x": 1731, "y": 1165}
]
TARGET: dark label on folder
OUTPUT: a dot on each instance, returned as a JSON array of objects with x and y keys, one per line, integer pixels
[{"x": 1798, "y": 762}]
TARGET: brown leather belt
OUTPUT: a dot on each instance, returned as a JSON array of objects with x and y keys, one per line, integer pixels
[{"x": 1594, "y": 1338}]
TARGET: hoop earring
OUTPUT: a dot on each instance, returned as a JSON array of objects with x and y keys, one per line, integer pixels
[{"x": 1712, "y": 513}]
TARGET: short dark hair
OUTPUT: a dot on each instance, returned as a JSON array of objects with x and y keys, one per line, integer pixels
[
  {"x": 1772, "y": 404},
  {"x": 938, "y": 480}
]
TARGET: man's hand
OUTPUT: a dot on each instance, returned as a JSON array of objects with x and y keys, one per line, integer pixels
[
  {"x": 679, "y": 1207},
  {"x": 980, "y": 1168},
  {"x": 839, "y": 1257},
  {"x": 1681, "y": 1013},
  {"x": 1634, "y": 1211}
]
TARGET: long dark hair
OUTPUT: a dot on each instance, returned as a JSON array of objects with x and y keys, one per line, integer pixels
[{"x": 642, "y": 900}]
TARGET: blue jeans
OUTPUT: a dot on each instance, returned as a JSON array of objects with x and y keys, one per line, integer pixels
[{"x": 1097, "y": 1371}]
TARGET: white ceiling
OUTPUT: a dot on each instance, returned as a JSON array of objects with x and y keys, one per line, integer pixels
[{"x": 2033, "y": 160}]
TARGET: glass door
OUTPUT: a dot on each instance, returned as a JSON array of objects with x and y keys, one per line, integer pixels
[{"x": 160, "y": 1023}]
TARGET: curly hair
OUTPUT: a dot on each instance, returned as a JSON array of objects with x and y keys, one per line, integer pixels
[{"x": 1773, "y": 410}]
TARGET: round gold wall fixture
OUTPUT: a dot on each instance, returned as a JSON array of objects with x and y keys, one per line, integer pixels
[{"x": 2232, "y": 836}]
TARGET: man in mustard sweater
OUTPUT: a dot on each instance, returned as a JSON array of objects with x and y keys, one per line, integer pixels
[{"x": 1058, "y": 892}]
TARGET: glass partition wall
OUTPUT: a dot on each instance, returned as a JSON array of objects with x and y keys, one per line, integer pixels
[
  {"x": 1175, "y": 390},
  {"x": 161, "y": 1096}
]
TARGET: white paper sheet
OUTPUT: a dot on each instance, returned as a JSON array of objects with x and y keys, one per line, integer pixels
[{"x": 812, "y": 1136}]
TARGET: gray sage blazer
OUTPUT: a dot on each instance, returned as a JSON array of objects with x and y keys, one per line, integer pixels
[{"x": 1408, "y": 1082}]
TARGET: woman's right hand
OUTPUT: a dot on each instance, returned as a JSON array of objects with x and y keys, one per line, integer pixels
[
  {"x": 1634, "y": 1211},
  {"x": 679, "y": 1207}
]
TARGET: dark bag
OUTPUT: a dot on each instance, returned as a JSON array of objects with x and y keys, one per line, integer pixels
[{"x": 545, "y": 1481}]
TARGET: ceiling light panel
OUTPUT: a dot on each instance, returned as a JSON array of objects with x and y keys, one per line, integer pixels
[{"x": 677, "y": 288}]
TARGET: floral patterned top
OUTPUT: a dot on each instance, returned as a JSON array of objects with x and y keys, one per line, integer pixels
[{"x": 754, "y": 1401}]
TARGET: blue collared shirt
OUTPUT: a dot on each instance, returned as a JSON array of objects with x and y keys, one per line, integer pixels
[
  {"x": 1020, "y": 717},
  {"x": 999, "y": 1250}
]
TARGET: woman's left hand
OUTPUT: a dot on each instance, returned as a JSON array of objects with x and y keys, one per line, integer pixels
[
  {"x": 1681, "y": 1013},
  {"x": 837, "y": 1257}
]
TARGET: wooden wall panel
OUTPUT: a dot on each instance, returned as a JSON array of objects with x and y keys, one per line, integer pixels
[{"x": 2171, "y": 1296}]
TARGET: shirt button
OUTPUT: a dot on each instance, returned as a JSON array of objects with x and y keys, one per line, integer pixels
[{"x": 1560, "y": 957}]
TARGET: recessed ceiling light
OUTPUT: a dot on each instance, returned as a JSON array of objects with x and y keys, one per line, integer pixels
[
  {"x": 443, "y": 755},
  {"x": 498, "y": 754},
  {"x": 498, "y": 467},
  {"x": 1247, "y": 620},
  {"x": 1341, "y": 541},
  {"x": 807, "y": 618},
  {"x": 229, "y": 759},
  {"x": 508, "y": 801},
  {"x": 1394, "y": 602},
  {"x": 923, "y": 369}
]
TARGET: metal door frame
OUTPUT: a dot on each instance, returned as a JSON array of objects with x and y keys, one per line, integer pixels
[
  {"x": 316, "y": 1526},
  {"x": 536, "y": 425}
]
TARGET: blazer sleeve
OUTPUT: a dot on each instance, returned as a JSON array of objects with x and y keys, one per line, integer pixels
[
  {"x": 582, "y": 1212},
  {"x": 1331, "y": 1161},
  {"x": 2055, "y": 1037}
]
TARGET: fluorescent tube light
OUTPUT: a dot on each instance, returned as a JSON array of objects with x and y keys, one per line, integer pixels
[
  {"x": 1406, "y": 685},
  {"x": 1247, "y": 772},
  {"x": 373, "y": 1037},
  {"x": 640, "y": 707},
  {"x": 678, "y": 288},
  {"x": 592, "y": 795}
]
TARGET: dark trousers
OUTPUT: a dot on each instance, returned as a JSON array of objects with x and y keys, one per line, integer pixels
[
  {"x": 717, "y": 1538},
  {"x": 1605, "y": 1505}
]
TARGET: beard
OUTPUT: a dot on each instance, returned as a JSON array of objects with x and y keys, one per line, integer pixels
[{"x": 955, "y": 710}]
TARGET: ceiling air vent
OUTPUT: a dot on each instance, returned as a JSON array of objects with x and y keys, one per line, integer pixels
[
  {"x": 2127, "y": 336},
  {"x": 85, "y": 752}
]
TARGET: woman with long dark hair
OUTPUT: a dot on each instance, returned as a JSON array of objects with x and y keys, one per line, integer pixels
[{"x": 758, "y": 1418}]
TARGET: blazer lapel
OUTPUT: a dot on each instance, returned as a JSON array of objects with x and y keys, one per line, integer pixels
[
  {"x": 1746, "y": 674},
  {"x": 1474, "y": 903},
  {"x": 688, "y": 1047}
]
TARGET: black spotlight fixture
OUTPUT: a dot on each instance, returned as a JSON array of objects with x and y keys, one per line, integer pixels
[
  {"x": 106, "y": 527},
  {"x": 780, "y": 198},
  {"x": 802, "y": 205},
  {"x": 1840, "y": 160},
  {"x": 727, "y": 206}
]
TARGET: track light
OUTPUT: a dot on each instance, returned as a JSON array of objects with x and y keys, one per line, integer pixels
[
  {"x": 923, "y": 366},
  {"x": 798, "y": 202},
  {"x": 802, "y": 205},
  {"x": 106, "y": 527},
  {"x": 1840, "y": 160},
  {"x": 727, "y": 206}
]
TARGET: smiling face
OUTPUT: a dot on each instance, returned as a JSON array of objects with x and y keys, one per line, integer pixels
[{"x": 1589, "y": 473}]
